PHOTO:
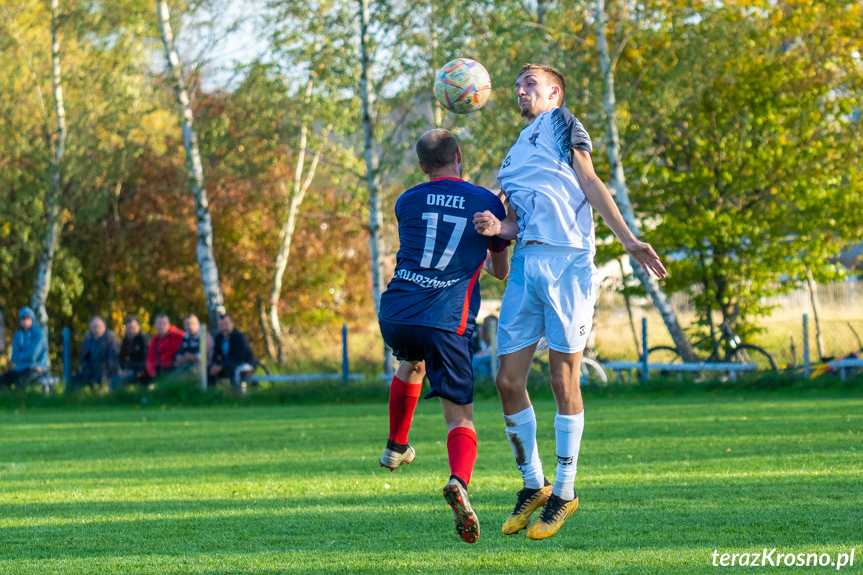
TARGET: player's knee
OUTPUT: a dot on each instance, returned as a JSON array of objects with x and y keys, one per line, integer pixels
[
  {"x": 506, "y": 384},
  {"x": 417, "y": 369}
]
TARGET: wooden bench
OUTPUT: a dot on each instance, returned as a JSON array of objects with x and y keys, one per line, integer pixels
[{"x": 731, "y": 368}]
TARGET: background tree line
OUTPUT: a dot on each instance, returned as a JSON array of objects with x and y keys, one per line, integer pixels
[{"x": 736, "y": 129}]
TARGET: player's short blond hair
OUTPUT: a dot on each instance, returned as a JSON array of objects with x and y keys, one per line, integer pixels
[{"x": 552, "y": 76}]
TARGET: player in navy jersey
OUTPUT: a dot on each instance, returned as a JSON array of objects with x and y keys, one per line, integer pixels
[{"x": 428, "y": 312}]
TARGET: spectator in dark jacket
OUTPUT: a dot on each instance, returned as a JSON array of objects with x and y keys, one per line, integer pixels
[
  {"x": 231, "y": 351},
  {"x": 100, "y": 355},
  {"x": 188, "y": 357},
  {"x": 163, "y": 347},
  {"x": 29, "y": 351},
  {"x": 133, "y": 355}
]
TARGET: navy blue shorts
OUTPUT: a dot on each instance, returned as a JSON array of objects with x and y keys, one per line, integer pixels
[{"x": 448, "y": 358}]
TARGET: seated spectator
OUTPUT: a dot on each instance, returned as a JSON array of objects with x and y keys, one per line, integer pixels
[
  {"x": 482, "y": 347},
  {"x": 163, "y": 347},
  {"x": 100, "y": 355},
  {"x": 232, "y": 351},
  {"x": 189, "y": 355},
  {"x": 133, "y": 356},
  {"x": 29, "y": 352}
]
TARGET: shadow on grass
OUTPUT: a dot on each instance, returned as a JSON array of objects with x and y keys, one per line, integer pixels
[{"x": 623, "y": 517}]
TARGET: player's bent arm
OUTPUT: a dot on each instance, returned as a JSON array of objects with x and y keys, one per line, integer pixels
[
  {"x": 600, "y": 200},
  {"x": 487, "y": 224},
  {"x": 497, "y": 264}
]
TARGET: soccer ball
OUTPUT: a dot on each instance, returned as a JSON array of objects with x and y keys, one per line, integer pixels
[{"x": 462, "y": 86}]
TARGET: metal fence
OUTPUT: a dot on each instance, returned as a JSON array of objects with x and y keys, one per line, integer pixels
[
  {"x": 835, "y": 323},
  {"x": 837, "y": 332}
]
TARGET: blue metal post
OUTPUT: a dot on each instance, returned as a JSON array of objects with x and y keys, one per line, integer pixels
[
  {"x": 807, "y": 367},
  {"x": 67, "y": 356},
  {"x": 346, "y": 369},
  {"x": 644, "y": 371}
]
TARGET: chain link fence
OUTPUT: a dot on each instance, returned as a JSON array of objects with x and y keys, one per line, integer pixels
[{"x": 835, "y": 324}]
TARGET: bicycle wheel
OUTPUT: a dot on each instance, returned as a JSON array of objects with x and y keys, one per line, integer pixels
[
  {"x": 748, "y": 353},
  {"x": 663, "y": 354},
  {"x": 593, "y": 371}
]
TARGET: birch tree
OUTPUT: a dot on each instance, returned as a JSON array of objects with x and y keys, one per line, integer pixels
[
  {"x": 42, "y": 281},
  {"x": 204, "y": 250},
  {"x": 293, "y": 199},
  {"x": 621, "y": 193},
  {"x": 370, "y": 156}
]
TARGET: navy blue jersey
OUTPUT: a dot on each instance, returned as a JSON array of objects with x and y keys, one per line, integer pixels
[{"x": 440, "y": 257}]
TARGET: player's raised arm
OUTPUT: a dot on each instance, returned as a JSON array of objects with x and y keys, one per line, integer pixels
[{"x": 600, "y": 199}]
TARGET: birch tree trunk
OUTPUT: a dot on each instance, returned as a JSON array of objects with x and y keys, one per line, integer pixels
[
  {"x": 816, "y": 313},
  {"x": 268, "y": 336},
  {"x": 42, "y": 281},
  {"x": 204, "y": 251},
  {"x": 376, "y": 220},
  {"x": 286, "y": 234},
  {"x": 629, "y": 308},
  {"x": 621, "y": 194}
]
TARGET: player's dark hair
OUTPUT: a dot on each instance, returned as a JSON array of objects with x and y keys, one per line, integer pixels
[
  {"x": 553, "y": 77},
  {"x": 436, "y": 149}
]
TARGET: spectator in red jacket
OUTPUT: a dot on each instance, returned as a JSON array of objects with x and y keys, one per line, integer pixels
[{"x": 163, "y": 347}]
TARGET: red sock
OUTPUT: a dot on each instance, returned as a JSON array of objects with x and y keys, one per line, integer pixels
[
  {"x": 403, "y": 400},
  {"x": 461, "y": 447}
]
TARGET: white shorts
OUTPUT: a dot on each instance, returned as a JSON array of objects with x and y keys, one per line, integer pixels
[{"x": 551, "y": 292}]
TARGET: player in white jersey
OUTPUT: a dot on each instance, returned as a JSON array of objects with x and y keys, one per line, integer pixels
[{"x": 551, "y": 186}]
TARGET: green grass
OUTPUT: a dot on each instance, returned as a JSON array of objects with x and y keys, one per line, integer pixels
[{"x": 296, "y": 489}]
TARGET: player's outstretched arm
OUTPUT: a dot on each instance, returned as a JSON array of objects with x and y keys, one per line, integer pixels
[
  {"x": 600, "y": 199},
  {"x": 487, "y": 224}
]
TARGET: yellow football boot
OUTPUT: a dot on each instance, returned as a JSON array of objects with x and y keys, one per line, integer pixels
[
  {"x": 553, "y": 515},
  {"x": 529, "y": 500}
]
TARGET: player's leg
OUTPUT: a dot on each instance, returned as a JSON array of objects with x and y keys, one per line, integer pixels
[
  {"x": 520, "y": 327},
  {"x": 448, "y": 364},
  {"x": 569, "y": 319},
  {"x": 404, "y": 391},
  {"x": 520, "y": 421},
  {"x": 461, "y": 439},
  {"x": 568, "y": 428},
  {"x": 461, "y": 449},
  {"x": 404, "y": 396}
]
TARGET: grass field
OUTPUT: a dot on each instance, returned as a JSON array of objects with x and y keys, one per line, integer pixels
[{"x": 663, "y": 483}]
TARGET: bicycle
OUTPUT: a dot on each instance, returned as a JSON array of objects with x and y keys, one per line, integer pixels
[
  {"x": 727, "y": 348},
  {"x": 592, "y": 370}
]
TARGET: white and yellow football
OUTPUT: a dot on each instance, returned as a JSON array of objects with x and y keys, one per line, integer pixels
[{"x": 462, "y": 86}]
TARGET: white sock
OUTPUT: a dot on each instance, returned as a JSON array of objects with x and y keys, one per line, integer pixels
[
  {"x": 521, "y": 433},
  {"x": 567, "y": 431}
]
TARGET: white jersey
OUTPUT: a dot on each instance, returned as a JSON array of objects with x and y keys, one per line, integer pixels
[{"x": 540, "y": 184}]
